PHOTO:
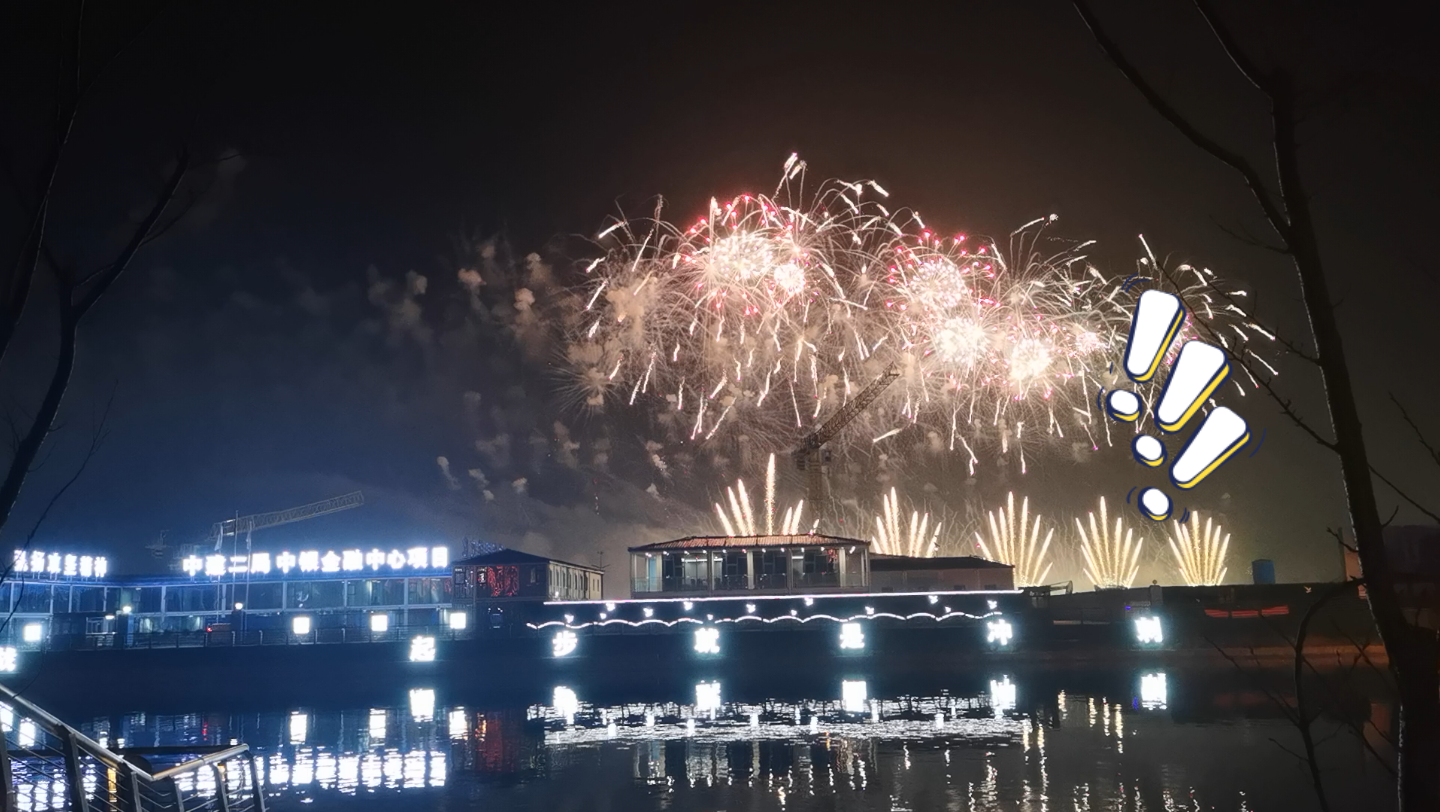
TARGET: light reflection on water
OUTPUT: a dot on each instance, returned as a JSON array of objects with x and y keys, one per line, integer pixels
[{"x": 1001, "y": 747}]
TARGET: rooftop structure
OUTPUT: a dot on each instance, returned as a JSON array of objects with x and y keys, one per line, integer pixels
[
  {"x": 955, "y": 573},
  {"x": 740, "y": 565}
]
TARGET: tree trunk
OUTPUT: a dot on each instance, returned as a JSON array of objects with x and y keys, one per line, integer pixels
[{"x": 1412, "y": 657}]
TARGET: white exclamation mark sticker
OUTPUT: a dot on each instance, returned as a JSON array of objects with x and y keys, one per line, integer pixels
[
  {"x": 1221, "y": 435},
  {"x": 1158, "y": 317},
  {"x": 1197, "y": 372}
]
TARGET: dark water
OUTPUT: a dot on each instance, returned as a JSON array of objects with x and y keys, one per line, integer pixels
[{"x": 1142, "y": 741}]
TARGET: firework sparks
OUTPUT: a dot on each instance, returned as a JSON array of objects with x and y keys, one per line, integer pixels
[
  {"x": 1200, "y": 554},
  {"x": 1112, "y": 554},
  {"x": 1014, "y": 542},
  {"x": 739, "y": 519},
  {"x": 895, "y": 537},
  {"x": 755, "y": 320}
]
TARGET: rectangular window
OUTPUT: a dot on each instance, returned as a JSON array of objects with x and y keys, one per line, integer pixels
[
  {"x": 191, "y": 598},
  {"x": 88, "y": 599},
  {"x": 261, "y": 595},
  {"x": 315, "y": 595},
  {"x": 33, "y": 597}
]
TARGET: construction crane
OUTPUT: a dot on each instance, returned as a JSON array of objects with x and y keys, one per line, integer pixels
[
  {"x": 812, "y": 459},
  {"x": 233, "y": 528}
]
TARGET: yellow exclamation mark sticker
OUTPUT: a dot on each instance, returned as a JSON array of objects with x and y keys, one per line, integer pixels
[{"x": 1158, "y": 318}]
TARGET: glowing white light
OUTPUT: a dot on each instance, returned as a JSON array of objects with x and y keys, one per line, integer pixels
[
  {"x": 934, "y": 599},
  {"x": 1147, "y": 630},
  {"x": 9, "y": 659},
  {"x": 1153, "y": 691},
  {"x": 458, "y": 620},
  {"x": 21, "y": 561},
  {"x": 707, "y": 640},
  {"x": 71, "y": 565},
  {"x": 238, "y": 564},
  {"x": 422, "y": 649},
  {"x": 238, "y": 606},
  {"x": 749, "y": 608},
  {"x": 869, "y": 610},
  {"x": 851, "y": 636},
  {"x": 309, "y": 560},
  {"x": 1000, "y": 632},
  {"x": 649, "y": 612},
  {"x": 52, "y": 563},
  {"x": 396, "y": 560},
  {"x": 418, "y": 557},
  {"x": 566, "y": 703},
  {"x": 28, "y": 733},
  {"x": 754, "y": 719},
  {"x": 422, "y": 704},
  {"x": 853, "y": 693},
  {"x": 439, "y": 557},
  {"x": 192, "y": 565},
  {"x": 330, "y": 562},
  {"x": 457, "y": 723},
  {"x": 377, "y": 725},
  {"x": 87, "y": 566},
  {"x": 809, "y": 601},
  {"x": 352, "y": 560},
  {"x": 215, "y": 565},
  {"x": 564, "y": 642},
  {"x": 375, "y": 559},
  {"x": 102, "y": 567},
  {"x": 299, "y": 727},
  {"x": 32, "y": 632},
  {"x": 300, "y": 624},
  {"x": 650, "y": 719},
  {"x": 380, "y": 622},
  {"x": 260, "y": 563},
  {"x": 690, "y": 727},
  {"x": 992, "y": 604},
  {"x": 285, "y": 562},
  {"x": 1002, "y": 694},
  {"x": 126, "y": 609},
  {"x": 707, "y": 697},
  {"x": 610, "y": 606}
]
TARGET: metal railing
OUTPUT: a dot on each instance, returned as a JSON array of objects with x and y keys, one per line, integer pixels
[
  {"x": 49, "y": 766},
  {"x": 253, "y": 637}
]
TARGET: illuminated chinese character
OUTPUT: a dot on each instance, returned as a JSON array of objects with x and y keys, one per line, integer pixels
[
  {"x": 285, "y": 562},
  {"x": 707, "y": 640},
  {"x": 999, "y": 632},
  {"x": 422, "y": 649},
  {"x": 52, "y": 563},
  {"x": 37, "y": 561},
  {"x": 564, "y": 642},
  {"x": 192, "y": 565},
  {"x": 87, "y": 566},
  {"x": 22, "y": 561},
  {"x": 101, "y": 566},
  {"x": 439, "y": 557},
  {"x": 215, "y": 565},
  {"x": 71, "y": 566},
  {"x": 330, "y": 562},
  {"x": 309, "y": 560},
  {"x": 9, "y": 659},
  {"x": 375, "y": 559},
  {"x": 260, "y": 563},
  {"x": 352, "y": 560},
  {"x": 1147, "y": 630},
  {"x": 851, "y": 636},
  {"x": 419, "y": 558},
  {"x": 396, "y": 560}
]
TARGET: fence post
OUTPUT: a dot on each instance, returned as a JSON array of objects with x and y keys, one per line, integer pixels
[
  {"x": 132, "y": 785},
  {"x": 222, "y": 788},
  {"x": 179, "y": 799},
  {"x": 74, "y": 776},
  {"x": 7, "y": 800},
  {"x": 256, "y": 791}
]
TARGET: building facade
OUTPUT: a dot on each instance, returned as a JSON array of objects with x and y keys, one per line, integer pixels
[
  {"x": 720, "y": 565},
  {"x": 950, "y": 574}
]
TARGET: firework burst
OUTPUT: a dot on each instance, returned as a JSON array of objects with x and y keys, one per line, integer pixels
[
  {"x": 1015, "y": 543},
  {"x": 1112, "y": 554},
  {"x": 1200, "y": 554}
]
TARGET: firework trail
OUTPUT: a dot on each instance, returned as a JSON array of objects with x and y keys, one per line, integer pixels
[
  {"x": 893, "y": 537},
  {"x": 1200, "y": 555},
  {"x": 740, "y": 519},
  {"x": 1014, "y": 542},
  {"x": 1112, "y": 555}
]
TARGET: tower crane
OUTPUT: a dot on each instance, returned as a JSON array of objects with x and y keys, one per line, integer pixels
[
  {"x": 812, "y": 459},
  {"x": 233, "y": 528}
]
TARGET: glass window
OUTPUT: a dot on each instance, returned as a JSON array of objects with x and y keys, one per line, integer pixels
[
  {"x": 191, "y": 598},
  {"x": 315, "y": 595},
  {"x": 376, "y": 592},
  {"x": 149, "y": 600},
  {"x": 262, "y": 595},
  {"x": 429, "y": 590},
  {"x": 33, "y": 598},
  {"x": 88, "y": 599},
  {"x": 4, "y": 597}
]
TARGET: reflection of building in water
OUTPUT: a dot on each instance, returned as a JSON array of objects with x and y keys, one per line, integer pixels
[{"x": 503, "y": 747}]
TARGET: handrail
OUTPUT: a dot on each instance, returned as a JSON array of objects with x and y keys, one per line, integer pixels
[{"x": 105, "y": 755}]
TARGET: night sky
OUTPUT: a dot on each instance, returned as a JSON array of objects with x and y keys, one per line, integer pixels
[{"x": 302, "y": 332}]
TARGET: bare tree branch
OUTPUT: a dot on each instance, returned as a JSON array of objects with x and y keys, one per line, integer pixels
[
  {"x": 1406, "y": 496},
  {"x": 1277, "y": 218},
  {"x": 1242, "y": 63},
  {"x": 1420, "y": 435}
]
